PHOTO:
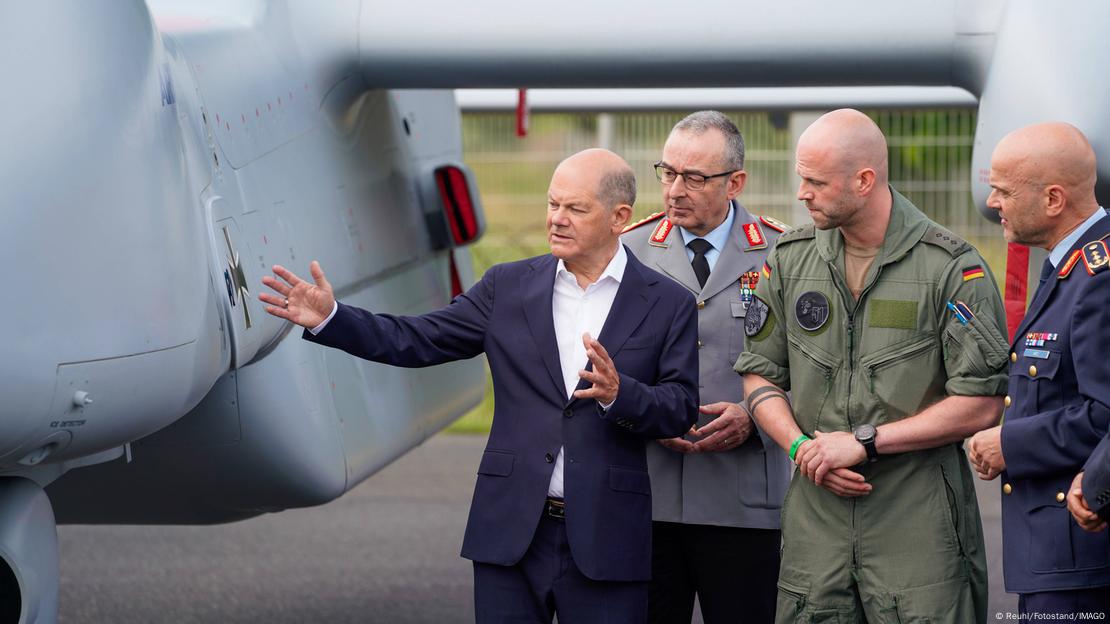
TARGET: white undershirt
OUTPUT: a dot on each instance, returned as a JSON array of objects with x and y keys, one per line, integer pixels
[{"x": 576, "y": 312}]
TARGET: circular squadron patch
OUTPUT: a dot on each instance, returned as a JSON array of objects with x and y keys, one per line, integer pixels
[
  {"x": 812, "y": 310},
  {"x": 756, "y": 317}
]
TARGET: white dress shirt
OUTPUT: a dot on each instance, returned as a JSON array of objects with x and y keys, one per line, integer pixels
[
  {"x": 576, "y": 312},
  {"x": 718, "y": 238}
]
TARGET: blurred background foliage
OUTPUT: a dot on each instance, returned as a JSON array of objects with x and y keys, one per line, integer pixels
[{"x": 930, "y": 162}]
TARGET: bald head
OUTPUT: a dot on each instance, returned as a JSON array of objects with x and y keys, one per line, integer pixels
[
  {"x": 1042, "y": 183},
  {"x": 1052, "y": 153},
  {"x": 610, "y": 178},
  {"x": 848, "y": 139}
]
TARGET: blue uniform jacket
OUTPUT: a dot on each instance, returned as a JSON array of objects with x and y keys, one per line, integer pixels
[
  {"x": 651, "y": 334},
  {"x": 1096, "y": 479},
  {"x": 1059, "y": 411}
]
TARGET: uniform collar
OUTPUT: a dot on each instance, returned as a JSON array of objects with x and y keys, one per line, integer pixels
[
  {"x": 907, "y": 226},
  {"x": 718, "y": 237},
  {"x": 1069, "y": 241}
]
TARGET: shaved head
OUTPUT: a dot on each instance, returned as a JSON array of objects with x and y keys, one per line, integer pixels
[
  {"x": 1051, "y": 153},
  {"x": 849, "y": 139},
  {"x": 1042, "y": 183},
  {"x": 842, "y": 163}
]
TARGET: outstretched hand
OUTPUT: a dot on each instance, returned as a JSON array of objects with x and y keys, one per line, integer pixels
[
  {"x": 299, "y": 301},
  {"x": 604, "y": 377}
]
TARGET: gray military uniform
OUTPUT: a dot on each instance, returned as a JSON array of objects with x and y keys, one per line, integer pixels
[{"x": 743, "y": 487}]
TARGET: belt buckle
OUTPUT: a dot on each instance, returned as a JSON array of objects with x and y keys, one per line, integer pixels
[{"x": 556, "y": 508}]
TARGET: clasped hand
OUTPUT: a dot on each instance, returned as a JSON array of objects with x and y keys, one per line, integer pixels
[
  {"x": 826, "y": 458},
  {"x": 731, "y": 428}
]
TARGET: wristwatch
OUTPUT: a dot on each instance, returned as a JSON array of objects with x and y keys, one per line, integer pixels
[{"x": 865, "y": 435}]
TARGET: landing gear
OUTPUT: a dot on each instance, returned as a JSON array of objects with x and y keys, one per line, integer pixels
[{"x": 28, "y": 554}]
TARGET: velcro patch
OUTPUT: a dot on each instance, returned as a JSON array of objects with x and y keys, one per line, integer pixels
[
  {"x": 766, "y": 270},
  {"x": 973, "y": 272},
  {"x": 892, "y": 313},
  {"x": 757, "y": 316}
]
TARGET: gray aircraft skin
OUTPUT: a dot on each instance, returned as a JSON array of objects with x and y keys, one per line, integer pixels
[{"x": 158, "y": 160}]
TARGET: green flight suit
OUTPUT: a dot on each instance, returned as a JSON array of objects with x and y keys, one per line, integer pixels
[{"x": 911, "y": 550}]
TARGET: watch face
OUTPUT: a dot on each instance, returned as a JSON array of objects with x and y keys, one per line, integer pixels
[{"x": 865, "y": 433}]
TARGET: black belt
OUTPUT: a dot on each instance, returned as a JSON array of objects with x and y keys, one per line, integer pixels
[{"x": 556, "y": 508}]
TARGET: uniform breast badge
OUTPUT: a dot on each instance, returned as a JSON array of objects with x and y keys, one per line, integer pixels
[
  {"x": 812, "y": 310},
  {"x": 748, "y": 281},
  {"x": 1038, "y": 339}
]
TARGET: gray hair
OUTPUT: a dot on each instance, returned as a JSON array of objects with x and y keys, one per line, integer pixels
[
  {"x": 617, "y": 187},
  {"x": 702, "y": 121}
]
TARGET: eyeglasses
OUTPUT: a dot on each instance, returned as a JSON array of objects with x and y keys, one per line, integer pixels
[{"x": 694, "y": 181}]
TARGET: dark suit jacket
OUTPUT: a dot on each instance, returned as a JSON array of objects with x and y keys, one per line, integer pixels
[
  {"x": 1096, "y": 479},
  {"x": 1059, "y": 411},
  {"x": 650, "y": 333}
]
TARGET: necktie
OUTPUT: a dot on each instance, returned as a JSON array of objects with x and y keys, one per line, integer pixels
[
  {"x": 1046, "y": 270},
  {"x": 700, "y": 247}
]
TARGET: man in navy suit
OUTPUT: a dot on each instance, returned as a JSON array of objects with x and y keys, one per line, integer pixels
[
  {"x": 560, "y": 521},
  {"x": 1043, "y": 186},
  {"x": 1089, "y": 498}
]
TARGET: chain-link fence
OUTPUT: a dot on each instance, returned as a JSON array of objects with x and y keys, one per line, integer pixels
[{"x": 930, "y": 162}]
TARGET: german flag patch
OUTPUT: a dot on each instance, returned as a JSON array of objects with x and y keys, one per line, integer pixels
[
  {"x": 973, "y": 272},
  {"x": 766, "y": 270}
]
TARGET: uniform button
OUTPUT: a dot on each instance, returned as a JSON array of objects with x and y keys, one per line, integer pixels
[
  {"x": 700, "y": 344},
  {"x": 1006, "y": 489},
  {"x": 701, "y": 305},
  {"x": 1032, "y": 371},
  {"x": 568, "y": 412},
  {"x": 1007, "y": 401},
  {"x": 1013, "y": 356},
  {"x": 1060, "y": 497},
  {"x": 548, "y": 458}
]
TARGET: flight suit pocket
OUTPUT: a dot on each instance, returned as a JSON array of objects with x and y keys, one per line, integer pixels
[
  {"x": 978, "y": 346},
  {"x": 901, "y": 394},
  {"x": 629, "y": 480},
  {"x": 811, "y": 382},
  {"x": 947, "y": 601},
  {"x": 497, "y": 463}
]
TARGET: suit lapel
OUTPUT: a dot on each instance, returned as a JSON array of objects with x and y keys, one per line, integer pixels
[
  {"x": 674, "y": 262},
  {"x": 537, "y": 289}
]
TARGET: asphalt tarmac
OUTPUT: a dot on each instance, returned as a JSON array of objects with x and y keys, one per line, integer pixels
[{"x": 386, "y": 552}]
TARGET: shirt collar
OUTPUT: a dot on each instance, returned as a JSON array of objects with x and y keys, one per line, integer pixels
[
  {"x": 718, "y": 237},
  {"x": 1064, "y": 245},
  {"x": 615, "y": 268}
]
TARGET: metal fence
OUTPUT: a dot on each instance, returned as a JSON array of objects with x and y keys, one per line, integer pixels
[{"x": 930, "y": 162}]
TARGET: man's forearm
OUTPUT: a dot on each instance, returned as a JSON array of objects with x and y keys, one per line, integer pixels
[
  {"x": 773, "y": 415},
  {"x": 950, "y": 420}
]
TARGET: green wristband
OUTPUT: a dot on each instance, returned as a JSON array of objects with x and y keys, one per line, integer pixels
[{"x": 796, "y": 443}]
